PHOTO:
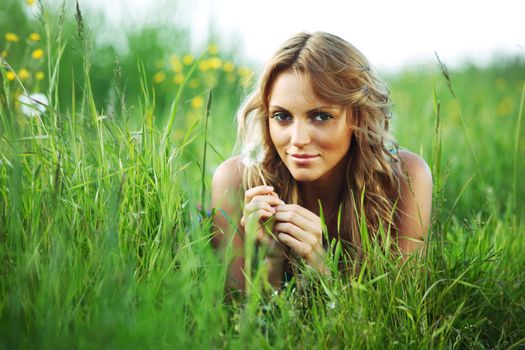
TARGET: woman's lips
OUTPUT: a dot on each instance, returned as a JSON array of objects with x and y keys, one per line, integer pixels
[{"x": 303, "y": 158}]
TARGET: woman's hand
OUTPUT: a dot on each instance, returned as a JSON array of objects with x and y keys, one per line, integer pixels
[
  {"x": 301, "y": 230},
  {"x": 259, "y": 205}
]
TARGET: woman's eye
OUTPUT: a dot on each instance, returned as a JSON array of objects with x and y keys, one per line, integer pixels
[
  {"x": 322, "y": 117},
  {"x": 281, "y": 117}
]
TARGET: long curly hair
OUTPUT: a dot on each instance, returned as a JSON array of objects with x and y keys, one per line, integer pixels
[{"x": 340, "y": 74}]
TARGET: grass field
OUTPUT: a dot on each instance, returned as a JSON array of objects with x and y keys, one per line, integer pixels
[{"x": 103, "y": 245}]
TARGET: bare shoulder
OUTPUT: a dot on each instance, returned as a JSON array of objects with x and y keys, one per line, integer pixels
[
  {"x": 229, "y": 172},
  {"x": 227, "y": 179},
  {"x": 415, "y": 203},
  {"x": 415, "y": 168}
]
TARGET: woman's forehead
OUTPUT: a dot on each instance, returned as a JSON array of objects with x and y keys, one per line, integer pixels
[{"x": 291, "y": 85}]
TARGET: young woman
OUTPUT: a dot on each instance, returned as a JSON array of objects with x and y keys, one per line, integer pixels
[{"x": 321, "y": 116}]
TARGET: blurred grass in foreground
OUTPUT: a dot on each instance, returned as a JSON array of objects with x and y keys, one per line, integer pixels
[{"x": 102, "y": 244}]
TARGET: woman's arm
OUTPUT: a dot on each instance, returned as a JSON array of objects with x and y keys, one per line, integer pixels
[
  {"x": 226, "y": 198},
  {"x": 233, "y": 209},
  {"x": 415, "y": 203}
]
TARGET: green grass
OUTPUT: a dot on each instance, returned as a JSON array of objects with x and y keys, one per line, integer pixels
[{"x": 102, "y": 243}]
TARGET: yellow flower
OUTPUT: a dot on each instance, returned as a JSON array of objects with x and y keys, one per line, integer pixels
[
  {"x": 12, "y": 37},
  {"x": 30, "y": 2},
  {"x": 215, "y": 62},
  {"x": 23, "y": 74},
  {"x": 37, "y": 54},
  {"x": 187, "y": 59},
  {"x": 228, "y": 67},
  {"x": 39, "y": 75},
  {"x": 176, "y": 66},
  {"x": 197, "y": 102},
  {"x": 213, "y": 49},
  {"x": 10, "y": 75},
  {"x": 244, "y": 72},
  {"x": 159, "y": 77},
  {"x": 204, "y": 65},
  {"x": 178, "y": 79},
  {"x": 34, "y": 37}
]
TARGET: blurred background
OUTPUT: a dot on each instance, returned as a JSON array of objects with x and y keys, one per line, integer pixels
[{"x": 393, "y": 35}]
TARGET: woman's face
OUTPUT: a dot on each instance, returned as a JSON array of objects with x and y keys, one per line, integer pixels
[{"x": 312, "y": 136}]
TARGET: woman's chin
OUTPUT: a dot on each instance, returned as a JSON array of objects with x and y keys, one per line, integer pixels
[{"x": 302, "y": 176}]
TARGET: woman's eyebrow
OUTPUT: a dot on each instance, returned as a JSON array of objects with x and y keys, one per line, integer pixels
[
  {"x": 316, "y": 109},
  {"x": 277, "y": 107},
  {"x": 325, "y": 108}
]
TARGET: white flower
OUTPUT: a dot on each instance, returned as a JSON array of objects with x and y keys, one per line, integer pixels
[
  {"x": 252, "y": 154},
  {"x": 33, "y": 105}
]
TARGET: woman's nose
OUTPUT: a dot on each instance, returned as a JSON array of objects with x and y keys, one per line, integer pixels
[{"x": 300, "y": 135}]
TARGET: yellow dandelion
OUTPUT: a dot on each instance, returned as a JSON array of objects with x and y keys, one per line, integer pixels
[
  {"x": 187, "y": 59},
  {"x": 244, "y": 72},
  {"x": 4, "y": 53},
  {"x": 228, "y": 67},
  {"x": 197, "y": 102},
  {"x": 215, "y": 63},
  {"x": 37, "y": 54},
  {"x": 193, "y": 83},
  {"x": 10, "y": 75},
  {"x": 213, "y": 49},
  {"x": 23, "y": 74},
  {"x": 34, "y": 37},
  {"x": 39, "y": 75},
  {"x": 30, "y": 2},
  {"x": 12, "y": 37},
  {"x": 178, "y": 78},
  {"x": 204, "y": 65},
  {"x": 176, "y": 66},
  {"x": 159, "y": 77}
]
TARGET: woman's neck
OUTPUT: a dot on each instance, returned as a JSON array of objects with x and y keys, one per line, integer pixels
[{"x": 326, "y": 193}]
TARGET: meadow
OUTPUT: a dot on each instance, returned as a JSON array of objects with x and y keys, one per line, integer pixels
[{"x": 104, "y": 238}]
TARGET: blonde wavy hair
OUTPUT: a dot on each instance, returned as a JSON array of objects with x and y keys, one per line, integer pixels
[{"x": 341, "y": 75}]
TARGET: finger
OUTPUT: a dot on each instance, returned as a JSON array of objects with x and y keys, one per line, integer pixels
[
  {"x": 296, "y": 219},
  {"x": 273, "y": 200},
  {"x": 255, "y": 206},
  {"x": 257, "y": 211},
  {"x": 258, "y": 190},
  {"x": 301, "y": 248},
  {"x": 294, "y": 208},
  {"x": 296, "y": 232}
]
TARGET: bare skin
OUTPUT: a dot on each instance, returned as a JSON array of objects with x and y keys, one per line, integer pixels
[{"x": 300, "y": 228}]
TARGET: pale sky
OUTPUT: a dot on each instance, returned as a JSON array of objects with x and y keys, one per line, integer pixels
[{"x": 390, "y": 33}]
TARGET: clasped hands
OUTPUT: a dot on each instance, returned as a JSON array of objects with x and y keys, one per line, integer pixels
[{"x": 293, "y": 225}]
